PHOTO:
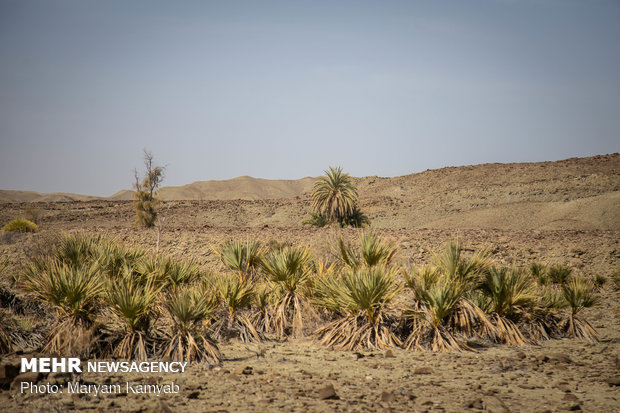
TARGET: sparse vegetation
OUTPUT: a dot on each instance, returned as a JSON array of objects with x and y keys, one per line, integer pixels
[
  {"x": 20, "y": 225},
  {"x": 111, "y": 300}
]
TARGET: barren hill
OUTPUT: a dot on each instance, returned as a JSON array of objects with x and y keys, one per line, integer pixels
[
  {"x": 575, "y": 194},
  {"x": 243, "y": 187}
]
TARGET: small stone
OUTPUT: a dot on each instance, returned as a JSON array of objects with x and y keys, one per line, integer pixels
[
  {"x": 614, "y": 381},
  {"x": 193, "y": 395},
  {"x": 389, "y": 354},
  {"x": 476, "y": 404},
  {"x": 520, "y": 355},
  {"x": 575, "y": 408},
  {"x": 247, "y": 370},
  {"x": 423, "y": 370},
  {"x": 328, "y": 393},
  {"x": 570, "y": 397},
  {"x": 387, "y": 396}
]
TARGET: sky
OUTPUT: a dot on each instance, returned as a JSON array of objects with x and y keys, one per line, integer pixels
[{"x": 284, "y": 89}]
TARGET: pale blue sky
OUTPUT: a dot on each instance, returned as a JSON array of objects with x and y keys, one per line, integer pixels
[{"x": 284, "y": 89}]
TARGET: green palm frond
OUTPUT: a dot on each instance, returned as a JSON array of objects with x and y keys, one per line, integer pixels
[
  {"x": 133, "y": 301},
  {"x": 509, "y": 289},
  {"x": 243, "y": 258},
  {"x": 72, "y": 290},
  {"x": 372, "y": 251},
  {"x": 452, "y": 264},
  {"x": 578, "y": 293}
]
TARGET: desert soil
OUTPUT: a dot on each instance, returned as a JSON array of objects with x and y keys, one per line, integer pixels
[{"x": 296, "y": 375}]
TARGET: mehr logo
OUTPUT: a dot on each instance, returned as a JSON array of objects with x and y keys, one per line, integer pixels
[{"x": 51, "y": 365}]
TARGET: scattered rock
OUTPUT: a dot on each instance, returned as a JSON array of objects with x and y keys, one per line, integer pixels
[
  {"x": 193, "y": 395},
  {"x": 424, "y": 370},
  {"x": 614, "y": 381},
  {"x": 247, "y": 370},
  {"x": 575, "y": 407},
  {"x": 476, "y": 404},
  {"x": 570, "y": 397},
  {"x": 328, "y": 393},
  {"x": 520, "y": 355},
  {"x": 389, "y": 354},
  {"x": 387, "y": 395}
]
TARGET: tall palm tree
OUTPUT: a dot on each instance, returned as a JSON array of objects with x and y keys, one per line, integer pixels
[{"x": 334, "y": 195}]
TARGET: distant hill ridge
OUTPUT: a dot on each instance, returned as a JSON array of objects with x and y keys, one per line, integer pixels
[{"x": 485, "y": 184}]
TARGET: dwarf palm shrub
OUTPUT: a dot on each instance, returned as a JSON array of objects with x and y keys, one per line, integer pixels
[
  {"x": 263, "y": 302},
  {"x": 442, "y": 305},
  {"x": 288, "y": 271},
  {"x": 78, "y": 249},
  {"x": 511, "y": 293},
  {"x": 559, "y": 274},
  {"x": 243, "y": 258},
  {"x": 578, "y": 293},
  {"x": 133, "y": 304},
  {"x": 237, "y": 296},
  {"x": 372, "y": 251},
  {"x": 20, "y": 225},
  {"x": 452, "y": 264},
  {"x": 539, "y": 272},
  {"x": 189, "y": 308},
  {"x": 316, "y": 219},
  {"x": 74, "y": 292},
  {"x": 436, "y": 302},
  {"x": 361, "y": 298},
  {"x": 113, "y": 257}
]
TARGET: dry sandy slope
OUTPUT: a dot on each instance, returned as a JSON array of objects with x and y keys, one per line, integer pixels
[{"x": 578, "y": 193}]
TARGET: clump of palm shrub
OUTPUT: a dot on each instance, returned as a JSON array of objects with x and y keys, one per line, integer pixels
[
  {"x": 20, "y": 225},
  {"x": 133, "y": 305},
  {"x": 236, "y": 296},
  {"x": 578, "y": 293},
  {"x": 74, "y": 292},
  {"x": 559, "y": 273},
  {"x": 442, "y": 309},
  {"x": 189, "y": 308},
  {"x": 361, "y": 298},
  {"x": 288, "y": 272},
  {"x": 511, "y": 293}
]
